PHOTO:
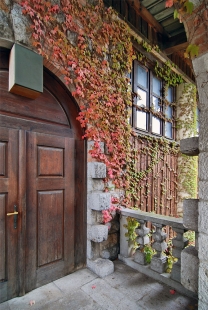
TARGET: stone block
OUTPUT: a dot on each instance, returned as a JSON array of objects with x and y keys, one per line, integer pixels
[
  {"x": 202, "y": 305},
  {"x": 176, "y": 272},
  {"x": 203, "y": 166},
  {"x": 105, "y": 254},
  {"x": 190, "y": 146},
  {"x": 21, "y": 24},
  {"x": 99, "y": 201},
  {"x": 72, "y": 37},
  {"x": 91, "y": 217},
  {"x": 180, "y": 244},
  {"x": 101, "y": 267},
  {"x": 203, "y": 282},
  {"x": 203, "y": 190},
  {"x": 203, "y": 246},
  {"x": 89, "y": 250},
  {"x": 203, "y": 216},
  {"x": 5, "y": 26},
  {"x": 159, "y": 264},
  {"x": 94, "y": 185},
  {"x": 97, "y": 233},
  {"x": 96, "y": 170},
  {"x": 99, "y": 217},
  {"x": 90, "y": 145},
  {"x": 110, "y": 252},
  {"x": 177, "y": 252},
  {"x": 190, "y": 214},
  {"x": 112, "y": 240},
  {"x": 189, "y": 268},
  {"x": 139, "y": 257}
]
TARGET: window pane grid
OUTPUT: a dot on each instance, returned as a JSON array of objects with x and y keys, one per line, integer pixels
[{"x": 153, "y": 110}]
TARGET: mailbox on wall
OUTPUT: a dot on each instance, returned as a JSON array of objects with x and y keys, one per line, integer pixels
[{"x": 25, "y": 72}]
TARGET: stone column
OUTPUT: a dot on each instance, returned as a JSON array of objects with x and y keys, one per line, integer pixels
[
  {"x": 200, "y": 65},
  {"x": 159, "y": 260},
  {"x": 142, "y": 239},
  {"x": 186, "y": 128},
  {"x": 97, "y": 200}
]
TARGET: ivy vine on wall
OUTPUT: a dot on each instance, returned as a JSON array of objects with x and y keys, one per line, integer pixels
[{"x": 92, "y": 48}]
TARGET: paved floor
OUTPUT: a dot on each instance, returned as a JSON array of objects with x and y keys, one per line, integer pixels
[{"x": 124, "y": 289}]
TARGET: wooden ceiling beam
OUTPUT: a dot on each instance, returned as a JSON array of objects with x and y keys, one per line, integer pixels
[
  {"x": 175, "y": 48},
  {"x": 145, "y": 14}
]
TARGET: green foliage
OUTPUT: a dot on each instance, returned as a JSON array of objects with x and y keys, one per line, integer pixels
[
  {"x": 175, "y": 14},
  {"x": 191, "y": 51},
  {"x": 149, "y": 252},
  {"x": 189, "y": 6},
  {"x": 167, "y": 74},
  {"x": 132, "y": 224},
  {"x": 170, "y": 258},
  {"x": 187, "y": 125},
  {"x": 146, "y": 46},
  {"x": 190, "y": 235}
]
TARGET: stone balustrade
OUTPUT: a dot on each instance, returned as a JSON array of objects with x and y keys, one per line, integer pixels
[{"x": 157, "y": 268}]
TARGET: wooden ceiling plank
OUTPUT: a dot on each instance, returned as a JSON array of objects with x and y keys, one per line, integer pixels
[
  {"x": 145, "y": 14},
  {"x": 175, "y": 48}
]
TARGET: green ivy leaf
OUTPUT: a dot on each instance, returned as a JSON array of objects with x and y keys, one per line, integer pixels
[
  {"x": 175, "y": 14},
  {"x": 189, "y": 6},
  {"x": 192, "y": 50}
]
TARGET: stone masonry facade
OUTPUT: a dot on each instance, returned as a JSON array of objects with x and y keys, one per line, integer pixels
[
  {"x": 196, "y": 28},
  {"x": 13, "y": 28}
]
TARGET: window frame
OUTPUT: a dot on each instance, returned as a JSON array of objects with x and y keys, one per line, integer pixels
[{"x": 149, "y": 103}]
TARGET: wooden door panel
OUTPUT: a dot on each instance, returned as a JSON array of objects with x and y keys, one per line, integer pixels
[
  {"x": 8, "y": 198},
  {"x": 50, "y": 208},
  {"x": 50, "y": 161},
  {"x": 3, "y": 199},
  {"x": 50, "y": 226}
]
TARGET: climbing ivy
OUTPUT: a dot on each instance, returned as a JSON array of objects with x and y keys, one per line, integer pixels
[
  {"x": 92, "y": 49},
  {"x": 166, "y": 73},
  {"x": 186, "y": 125}
]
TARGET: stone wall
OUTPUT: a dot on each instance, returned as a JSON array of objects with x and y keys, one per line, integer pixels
[
  {"x": 196, "y": 27},
  {"x": 102, "y": 238},
  {"x": 201, "y": 68}
]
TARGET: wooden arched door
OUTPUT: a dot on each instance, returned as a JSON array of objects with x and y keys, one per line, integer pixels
[{"x": 38, "y": 174}]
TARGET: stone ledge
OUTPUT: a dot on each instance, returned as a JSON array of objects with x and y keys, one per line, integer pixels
[
  {"x": 190, "y": 146},
  {"x": 154, "y": 218},
  {"x": 101, "y": 267}
]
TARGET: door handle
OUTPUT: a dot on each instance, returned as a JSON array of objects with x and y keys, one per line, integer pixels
[{"x": 15, "y": 213}]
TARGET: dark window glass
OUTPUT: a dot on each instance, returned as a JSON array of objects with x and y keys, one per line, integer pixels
[{"x": 152, "y": 110}]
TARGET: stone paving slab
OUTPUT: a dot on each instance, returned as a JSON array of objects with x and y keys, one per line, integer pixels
[
  {"x": 125, "y": 289},
  {"x": 75, "y": 280},
  {"x": 48, "y": 292},
  {"x": 77, "y": 300}
]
